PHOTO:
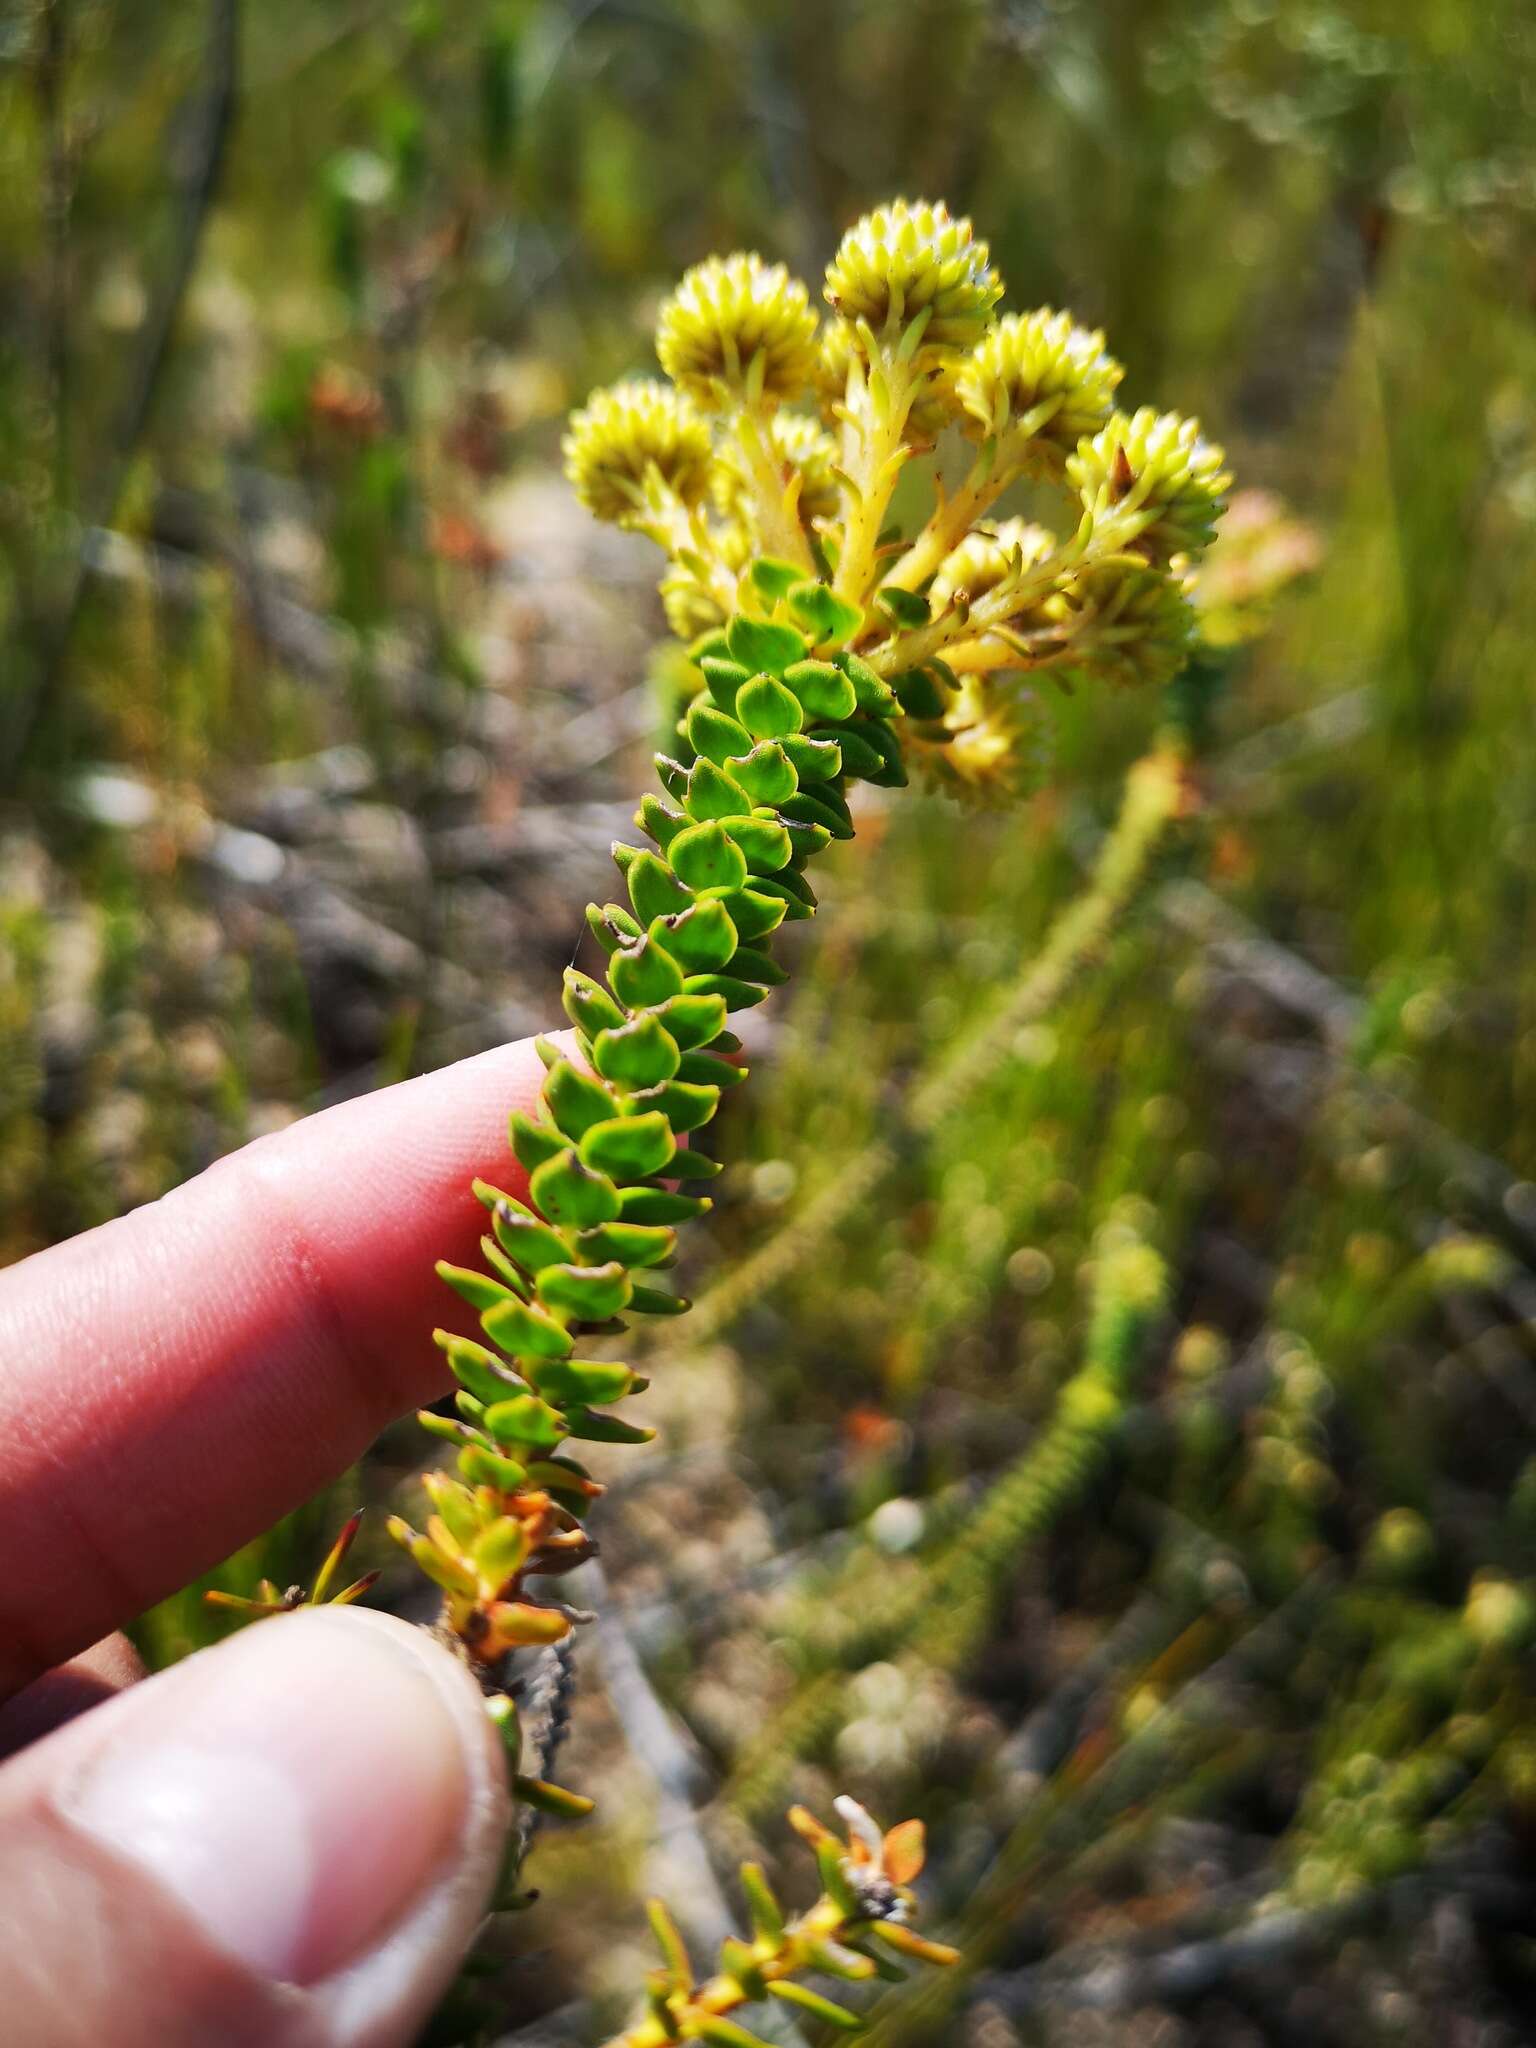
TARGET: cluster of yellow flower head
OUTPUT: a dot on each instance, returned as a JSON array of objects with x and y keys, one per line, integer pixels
[{"x": 719, "y": 469}]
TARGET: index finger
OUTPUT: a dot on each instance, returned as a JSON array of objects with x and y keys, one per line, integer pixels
[{"x": 174, "y": 1382}]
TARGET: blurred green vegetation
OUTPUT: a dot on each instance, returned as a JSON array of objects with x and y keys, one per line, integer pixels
[{"x": 319, "y": 702}]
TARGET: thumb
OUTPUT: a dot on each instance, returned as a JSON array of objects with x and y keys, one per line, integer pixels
[{"x": 286, "y": 1841}]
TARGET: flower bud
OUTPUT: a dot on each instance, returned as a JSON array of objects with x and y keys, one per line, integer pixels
[
  {"x": 630, "y": 439},
  {"x": 1034, "y": 364},
  {"x": 1131, "y": 621},
  {"x": 737, "y": 327},
  {"x": 1156, "y": 470},
  {"x": 904, "y": 259},
  {"x": 985, "y": 559}
]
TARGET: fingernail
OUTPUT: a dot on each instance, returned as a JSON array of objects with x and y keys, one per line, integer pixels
[{"x": 299, "y": 1788}]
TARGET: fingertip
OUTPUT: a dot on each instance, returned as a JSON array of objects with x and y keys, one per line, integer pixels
[{"x": 323, "y": 1799}]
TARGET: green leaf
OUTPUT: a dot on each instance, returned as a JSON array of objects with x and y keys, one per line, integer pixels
[
  {"x": 805, "y": 840},
  {"x": 704, "y": 858},
  {"x": 532, "y": 1245},
  {"x": 764, "y": 772},
  {"x": 575, "y": 1100},
  {"x": 589, "y": 1293},
  {"x": 704, "y": 1069},
  {"x": 861, "y": 760},
  {"x": 475, "y": 1368},
  {"x": 824, "y": 615},
  {"x": 588, "y": 1005},
  {"x": 918, "y": 694},
  {"x": 672, "y": 775},
  {"x": 632, "y": 1244},
  {"x": 763, "y": 648},
  {"x": 763, "y": 1908},
  {"x": 693, "y": 1166},
  {"x": 686, "y": 1105},
  {"x": 444, "y": 1426},
  {"x": 554, "y": 1800},
  {"x": 824, "y": 690},
  {"x": 814, "y": 760},
  {"x": 704, "y": 936},
  {"x": 873, "y": 694},
  {"x": 893, "y": 772},
  {"x": 768, "y": 710},
  {"x": 582, "y": 1380},
  {"x": 569, "y": 1192},
  {"x": 805, "y": 809},
  {"x": 611, "y": 925},
  {"x": 726, "y": 2034},
  {"x": 738, "y": 1961},
  {"x": 790, "y": 884},
  {"x": 639, "y": 1054},
  {"x": 533, "y": 1140},
  {"x": 724, "y": 679},
  {"x": 484, "y": 1467},
  {"x": 478, "y": 1289},
  {"x": 650, "y": 1301},
  {"x": 904, "y": 608},
  {"x": 660, "y": 1205},
  {"x": 593, "y": 1428},
  {"x": 654, "y": 890},
  {"x": 670, "y": 1942},
  {"x": 692, "y": 1020},
  {"x": 500, "y": 1551},
  {"x": 498, "y": 1262},
  {"x": 629, "y": 1147},
  {"x": 712, "y": 794},
  {"x": 908, "y": 1943},
  {"x": 764, "y": 843},
  {"x": 812, "y": 2002},
  {"x": 644, "y": 974},
  {"x": 526, "y": 1420},
  {"x": 714, "y": 734},
  {"x": 754, "y": 915},
  {"x": 773, "y": 579},
  {"x": 833, "y": 1957},
  {"x": 738, "y": 995},
  {"x": 660, "y": 820},
  {"x": 524, "y": 1331},
  {"x": 752, "y": 964}
]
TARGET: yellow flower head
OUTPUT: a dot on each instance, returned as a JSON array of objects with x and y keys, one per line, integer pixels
[
  {"x": 1041, "y": 378},
  {"x": 984, "y": 559},
  {"x": 738, "y": 327},
  {"x": 904, "y": 259},
  {"x": 1130, "y": 620},
  {"x": 631, "y": 439},
  {"x": 1155, "y": 468},
  {"x": 796, "y": 443}
]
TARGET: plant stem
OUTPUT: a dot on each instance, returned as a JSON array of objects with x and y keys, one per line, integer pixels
[
  {"x": 877, "y": 420},
  {"x": 778, "y": 514}
]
